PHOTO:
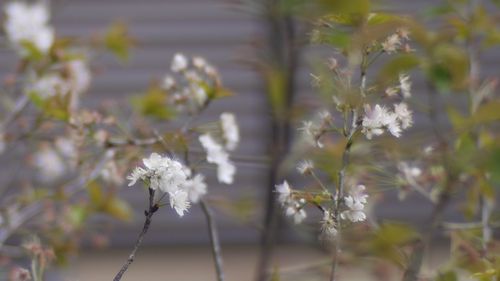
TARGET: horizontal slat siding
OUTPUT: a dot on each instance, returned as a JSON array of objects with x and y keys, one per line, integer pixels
[{"x": 217, "y": 31}]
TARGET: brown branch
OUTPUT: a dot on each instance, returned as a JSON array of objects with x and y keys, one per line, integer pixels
[
  {"x": 214, "y": 240},
  {"x": 340, "y": 190},
  {"x": 20, "y": 217},
  {"x": 149, "y": 215}
]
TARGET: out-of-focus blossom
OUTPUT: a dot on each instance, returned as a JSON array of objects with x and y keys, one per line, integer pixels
[
  {"x": 391, "y": 44},
  {"x": 355, "y": 212},
  {"x": 196, "y": 188},
  {"x": 19, "y": 274},
  {"x": 283, "y": 191},
  {"x": 168, "y": 82},
  {"x": 28, "y": 24},
  {"x": 403, "y": 114},
  {"x": 296, "y": 211},
  {"x": 305, "y": 167},
  {"x": 179, "y": 63},
  {"x": 48, "y": 86},
  {"x": 405, "y": 85},
  {"x": 111, "y": 174},
  {"x": 199, "y": 62},
  {"x": 230, "y": 130},
  {"x": 373, "y": 121},
  {"x": 217, "y": 155},
  {"x": 49, "y": 164},
  {"x": 355, "y": 202},
  {"x": 328, "y": 227}
]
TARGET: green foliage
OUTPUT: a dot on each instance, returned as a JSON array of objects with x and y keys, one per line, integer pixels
[
  {"x": 400, "y": 63},
  {"x": 118, "y": 41},
  {"x": 55, "y": 107},
  {"x": 447, "y": 276},
  {"x": 153, "y": 103},
  {"x": 388, "y": 239},
  {"x": 108, "y": 203}
]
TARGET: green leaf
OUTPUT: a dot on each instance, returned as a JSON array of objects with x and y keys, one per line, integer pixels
[
  {"x": 77, "y": 215},
  {"x": 399, "y": 64},
  {"x": 154, "y": 103},
  {"x": 118, "y": 209},
  {"x": 447, "y": 276},
  {"x": 389, "y": 237},
  {"x": 118, "y": 41},
  {"x": 32, "y": 51},
  {"x": 95, "y": 194}
]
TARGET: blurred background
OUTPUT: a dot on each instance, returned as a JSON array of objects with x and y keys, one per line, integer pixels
[{"x": 226, "y": 33}]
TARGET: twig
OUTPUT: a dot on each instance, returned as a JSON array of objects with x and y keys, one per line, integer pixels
[
  {"x": 214, "y": 240},
  {"x": 22, "y": 216},
  {"x": 21, "y": 103},
  {"x": 153, "y": 207},
  {"x": 340, "y": 189}
]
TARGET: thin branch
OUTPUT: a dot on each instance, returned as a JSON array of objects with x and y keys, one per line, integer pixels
[
  {"x": 21, "y": 103},
  {"x": 20, "y": 217},
  {"x": 214, "y": 240},
  {"x": 153, "y": 207},
  {"x": 340, "y": 190}
]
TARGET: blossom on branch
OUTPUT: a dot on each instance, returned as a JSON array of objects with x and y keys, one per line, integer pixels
[
  {"x": 217, "y": 155},
  {"x": 230, "y": 130},
  {"x": 27, "y": 26},
  {"x": 165, "y": 174}
]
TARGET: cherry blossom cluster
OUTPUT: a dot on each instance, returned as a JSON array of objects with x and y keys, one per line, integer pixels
[
  {"x": 349, "y": 208},
  {"x": 218, "y": 150},
  {"x": 189, "y": 86},
  {"x": 378, "y": 119},
  {"x": 172, "y": 177},
  {"x": 27, "y": 27},
  {"x": 397, "y": 42}
]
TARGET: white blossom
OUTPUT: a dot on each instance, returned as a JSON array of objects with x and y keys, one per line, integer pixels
[
  {"x": 355, "y": 212},
  {"x": 196, "y": 188},
  {"x": 79, "y": 75},
  {"x": 373, "y": 121},
  {"x": 328, "y": 227},
  {"x": 217, "y": 155},
  {"x": 355, "y": 202},
  {"x": 305, "y": 167},
  {"x": 179, "y": 201},
  {"x": 199, "y": 62},
  {"x": 168, "y": 82},
  {"x": 405, "y": 85},
  {"x": 192, "y": 76},
  {"x": 403, "y": 114},
  {"x": 283, "y": 191},
  {"x": 379, "y": 118},
  {"x": 28, "y": 23},
  {"x": 137, "y": 174},
  {"x": 357, "y": 193},
  {"x": 179, "y": 63},
  {"x": 48, "y": 86},
  {"x": 392, "y": 124},
  {"x": 409, "y": 172},
  {"x": 297, "y": 212},
  {"x": 111, "y": 174},
  {"x": 391, "y": 44},
  {"x": 200, "y": 95},
  {"x": 165, "y": 174},
  {"x": 230, "y": 130},
  {"x": 49, "y": 164},
  {"x": 325, "y": 116},
  {"x": 310, "y": 133}
]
